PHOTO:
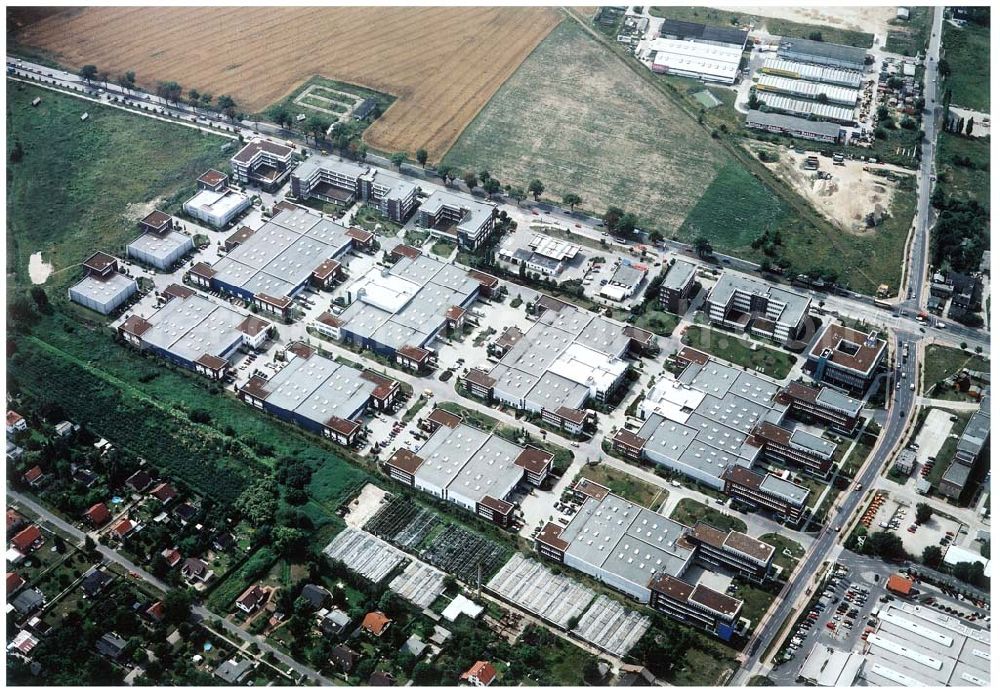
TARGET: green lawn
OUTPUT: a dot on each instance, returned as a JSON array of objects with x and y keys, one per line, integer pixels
[
  {"x": 967, "y": 51},
  {"x": 442, "y": 247},
  {"x": 771, "y": 362},
  {"x": 658, "y": 321},
  {"x": 780, "y": 544},
  {"x": 778, "y": 27},
  {"x": 577, "y": 117},
  {"x": 756, "y": 601},
  {"x": 690, "y": 512},
  {"x": 79, "y": 183},
  {"x": 964, "y": 167},
  {"x": 940, "y": 362},
  {"x": 628, "y": 487},
  {"x": 909, "y": 37},
  {"x": 477, "y": 419},
  {"x": 368, "y": 218}
]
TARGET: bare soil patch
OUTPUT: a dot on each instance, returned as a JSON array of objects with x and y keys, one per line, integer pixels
[
  {"x": 874, "y": 20},
  {"x": 443, "y": 64}
]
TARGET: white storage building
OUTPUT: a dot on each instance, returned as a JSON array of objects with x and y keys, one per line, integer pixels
[
  {"x": 813, "y": 73},
  {"x": 707, "y": 62},
  {"x": 217, "y": 208},
  {"x": 160, "y": 251},
  {"x": 103, "y": 294},
  {"x": 805, "y": 109},
  {"x": 806, "y": 89}
]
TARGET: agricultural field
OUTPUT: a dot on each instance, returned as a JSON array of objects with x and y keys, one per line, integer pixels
[
  {"x": 443, "y": 64},
  {"x": 580, "y": 120},
  {"x": 967, "y": 52},
  {"x": 121, "y": 166}
]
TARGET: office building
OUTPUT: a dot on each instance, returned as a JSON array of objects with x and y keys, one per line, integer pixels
[
  {"x": 764, "y": 491},
  {"x": 742, "y": 303},
  {"x": 824, "y": 404},
  {"x": 457, "y": 217},
  {"x": 675, "y": 291},
  {"x": 262, "y": 163},
  {"x": 845, "y": 358}
]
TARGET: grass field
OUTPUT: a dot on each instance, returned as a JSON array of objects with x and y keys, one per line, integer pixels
[
  {"x": 119, "y": 164},
  {"x": 967, "y": 51},
  {"x": 578, "y": 119},
  {"x": 442, "y": 63},
  {"x": 776, "y": 26},
  {"x": 909, "y": 38},
  {"x": 780, "y": 544},
  {"x": 657, "y": 321},
  {"x": 772, "y": 363},
  {"x": 628, "y": 487},
  {"x": 963, "y": 166},
  {"x": 690, "y": 512},
  {"x": 942, "y": 361}
]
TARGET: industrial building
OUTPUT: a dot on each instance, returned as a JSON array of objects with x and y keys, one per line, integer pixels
[
  {"x": 702, "y": 61},
  {"x": 827, "y": 666},
  {"x": 812, "y": 73},
  {"x": 262, "y": 163},
  {"x": 321, "y": 395},
  {"x": 103, "y": 289},
  {"x": 784, "y": 498},
  {"x": 805, "y": 89},
  {"x": 625, "y": 281},
  {"x": 969, "y": 452},
  {"x": 675, "y": 291},
  {"x": 645, "y": 556},
  {"x": 703, "y": 33},
  {"x": 399, "y": 311},
  {"x": 160, "y": 245},
  {"x": 196, "y": 333},
  {"x": 822, "y": 53},
  {"x": 270, "y": 266},
  {"x": 545, "y": 255},
  {"x": 470, "y": 467},
  {"x": 335, "y": 180},
  {"x": 822, "y": 131},
  {"x": 801, "y": 108},
  {"x": 460, "y": 218},
  {"x": 568, "y": 357},
  {"x": 845, "y": 358},
  {"x": 713, "y": 417},
  {"x": 743, "y": 303},
  {"x": 217, "y": 208}
]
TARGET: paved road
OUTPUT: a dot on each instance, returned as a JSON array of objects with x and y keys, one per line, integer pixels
[
  {"x": 900, "y": 411},
  {"x": 202, "y": 613}
]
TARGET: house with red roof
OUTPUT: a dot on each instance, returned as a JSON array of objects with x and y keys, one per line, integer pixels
[
  {"x": 15, "y": 422},
  {"x": 122, "y": 528},
  {"x": 480, "y": 674},
  {"x": 33, "y": 477},
  {"x": 164, "y": 492},
  {"x": 28, "y": 539},
  {"x": 157, "y": 611},
  {"x": 97, "y": 514},
  {"x": 172, "y": 557},
  {"x": 375, "y": 623},
  {"x": 252, "y": 599},
  {"x": 14, "y": 583}
]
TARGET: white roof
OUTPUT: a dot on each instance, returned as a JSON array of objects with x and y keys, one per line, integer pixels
[
  {"x": 831, "y": 667},
  {"x": 672, "y": 399},
  {"x": 692, "y": 56},
  {"x": 218, "y": 204},
  {"x": 384, "y": 290},
  {"x": 589, "y": 367},
  {"x": 957, "y": 554},
  {"x": 461, "y": 605},
  {"x": 553, "y": 248}
]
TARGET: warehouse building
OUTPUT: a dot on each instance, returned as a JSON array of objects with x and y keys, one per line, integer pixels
[
  {"x": 742, "y": 303},
  {"x": 272, "y": 265},
  {"x": 544, "y": 255},
  {"x": 159, "y": 245},
  {"x": 399, "y": 311},
  {"x": 710, "y": 419},
  {"x": 813, "y": 73},
  {"x": 459, "y": 218},
  {"x": 566, "y": 358},
  {"x": 196, "y": 333},
  {"x": 262, "y": 163},
  {"x": 703, "y": 33},
  {"x": 217, "y": 208},
  {"x": 321, "y": 395},
  {"x": 103, "y": 289},
  {"x": 675, "y": 291},
  {"x": 471, "y": 468},
  {"x": 807, "y": 90},
  {"x": 625, "y": 281},
  {"x": 794, "y": 126},
  {"x": 807, "y": 109},
  {"x": 845, "y": 358},
  {"x": 705, "y": 62},
  {"x": 779, "y": 496},
  {"x": 824, "y": 404},
  {"x": 822, "y": 53}
]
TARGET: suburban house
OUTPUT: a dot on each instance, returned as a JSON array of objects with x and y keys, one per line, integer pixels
[
  {"x": 15, "y": 422},
  {"x": 28, "y": 539},
  {"x": 252, "y": 599},
  {"x": 375, "y": 622},
  {"x": 195, "y": 570},
  {"x": 482, "y": 673},
  {"x": 97, "y": 514}
]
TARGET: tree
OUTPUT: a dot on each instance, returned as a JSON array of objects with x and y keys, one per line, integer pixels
[
  {"x": 280, "y": 115},
  {"x": 421, "y": 156},
  {"x": 517, "y": 193},
  {"x": 194, "y": 96},
  {"x": 484, "y": 175},
  {"x": 924, "y": 512},
  {"x": 753, "y": 102},
  {"x": 397, "y": 159},
  {"x": 944, "y": 69},
  {"x": 103, "y": 77},
  {"x": 815, "y": 36},
  {"x": 470, "y": 179},
  {"x": 969, "y": 125},
  {"x": 176, "y": 606},
  {"x": 127, "y": 81},
  {"x": 226, "y": 105},
  {"x": 88, "y": 72},
  {"x": 885, "y": 545},
  {"x": 491, "y": 186},
  {"x": 314, "y": 125},
  {"x": 258, "y": 502},
  {"x": 612, "y": 216},
  {"x": 206, "y": 99},
  {"x": 572, "y": 200},
  {"x": 171, "y": 91},
  {"x": 702, "y": 247},
  {"x": 592, "y": 672},
  {"x": 41, "y": 299},
  {"x": 971, "y": 573},
  {"x": 536, "y": 188},
  {"x": 931, "y": 557},
  {"x": 446, "y": 173}
]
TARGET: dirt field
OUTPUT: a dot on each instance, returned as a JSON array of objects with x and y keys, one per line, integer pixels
[
  {"x": 443, "y": 64},
  {"x": 579, "y": 120},
  {"x": 845, "y": 199},
  {"x": 868, "y": 19}
]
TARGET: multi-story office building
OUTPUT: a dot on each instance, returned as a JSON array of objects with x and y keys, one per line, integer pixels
[
  {"x": 734, "y": 551},
  {"x": 675, "y": 292},
  {"x": 798, "y": 448},
  {"x": 335, "y": 180},
  {"x": 824, "y": 404},
  {"x": 262, "y": 163},
  {"x": 461, "y": 218},
  {"x": 746, "y": 304},
  {"x": 782, "y": 497},
  {"x": 846, "y": 358}
]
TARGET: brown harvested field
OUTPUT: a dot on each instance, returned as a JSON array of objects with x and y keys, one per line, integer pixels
[{"x": 442, "y": 64}]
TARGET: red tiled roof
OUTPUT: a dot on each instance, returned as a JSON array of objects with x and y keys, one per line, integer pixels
[
  {"x": 34, "y": 474},
  {"x": 550, "y": 536},
  {"x": 671, "y": 587},
  {"x": 252, "y": 326},
  {"x": 629, "y": 439},
  {"x": 446, "y": 418},
  {"x": 482, "y": 671},
  {"x": 157, "y": 218},
  {"x": 254, "y": 146},
  {"x": 862, "y": 359},
  {"x": 14, "y": 581},
  {"x": 330, "y": 320},
  {"x": 239, "y": 236},
  {"x": 534, "y": 460},
  {"x": 743, "y": 476},
  {"x": 26, "y": 538},
  {"x": 100, "y": 262},
  {"x": 279, "y": 302},
  {"x": 484, "y": 279},
  {"x": 375, "y": 622},
  {"x": 572, "y": 415},
  {"x": 899, "y": 585},
  {"x": 13, "y": 417},
  {"x": 157, "y": 611},
  {"x": 326, "y": 269},
  {"x": 123, "y": 527},
  {"x": 342, "y": 426},
  {"x": 415, "y": 354},
  {"x": 591, "y": 489},
  {"x": 212, "y": 177},
  {"x": 301, "y": 349},
  {"x": 171, "y": 556},
  {"x": 174, "y": 290},
  {"x": 256, "y": 387},
  {"x": 689, "y": 354},
  {"x": 501, "y": 506},
  {"x": 203, "y": 270},
  {"x": 480, "y": 378},
  {"x": 455, "y": 313},
  {"x": 212, "y": 362},
  {"x": 164, "y": 492},
  {"x": 384, "y": 386},
  {"x": 360, "y": 235},
  {"x": 707, "y": 597},
  {"x": 406, "y": 250},
  {"x": 135, "y": 325},
  {"x": 97, "y": 514}
]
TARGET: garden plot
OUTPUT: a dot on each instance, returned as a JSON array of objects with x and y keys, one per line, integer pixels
[
  {"x": 465, "y": 555},
  {"x": 403, "y": 523},
  {"x": 364, "y": 554},
  {"x": 611, "y": 626},
  {"x": 533, "y": 587},
  {"x": 331, "y": 102},
  {"x": 419, "y": 583}
]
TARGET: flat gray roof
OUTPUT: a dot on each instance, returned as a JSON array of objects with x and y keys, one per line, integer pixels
[
  {"x": 679, "y": 274},
  {"x": 318, "y": 389},
  {"x": 823, "y": 49},
  {"x": 477, "y": 211},
  {"x": 806, "y": 440},
  {"x": 102, "y": 290},
  {"x": 329, "y": 163},
  {"x": 796, "y": 304},
  {"x": 770, "y": 119},
  {"x": 161, "y": 247},
  {"x": 627, "y": 276},
  {"x": 785, "y": 489},
  {"x": 838, "y": 400},
  {"x": 190, "y": 327}
]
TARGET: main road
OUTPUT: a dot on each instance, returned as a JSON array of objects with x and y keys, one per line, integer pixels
[{"x": 901, "y": 407}]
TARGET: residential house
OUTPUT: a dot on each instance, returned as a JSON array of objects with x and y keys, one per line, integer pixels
[
  {"x": 381, "y": 679},
  {"x": 195, "y": 570},
  {"x": 164, "y": 492},
  {"x": 15, "y": 422},
  {"x": 482, "y": 673},
  {"x": 28, "y": 602},
  {"x": 94, "y": 582},
  {"x": 111, "y": 646},
  {"x": 139, "y": 481},
  {"x": 14, "y": 583},
  {"x": 33, "y": 477},
  {"x": 334, "y": 622},
  {"x": 185, "y": 513},
  {"x": 15, "y": 522},
  {"x": 233, "y": 671},
  {"x": 252, "y": 599},
  {"x": 375, "y": 622},
  {"x": 172, "y": 557},
  {"x": 28, "y": 539},
  {"x": 223, "y": 541},
  {"x": 122, "y": 529},
  {"x": 316, "y": 596},
  {"x": 64, "y": 428},
  {"x": 85, "y": 477},
  {"x": 156, "y": 611},
  {"x": 24, "y": 642},
  {"x": 97, "y": 514},
  {"x": 344, "y": 658}
]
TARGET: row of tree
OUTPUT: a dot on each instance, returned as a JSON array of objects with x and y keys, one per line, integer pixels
[{"x": 171, "y": 91}]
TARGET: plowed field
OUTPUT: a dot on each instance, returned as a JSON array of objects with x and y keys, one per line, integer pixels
[{"x": 442, "y": 64}]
